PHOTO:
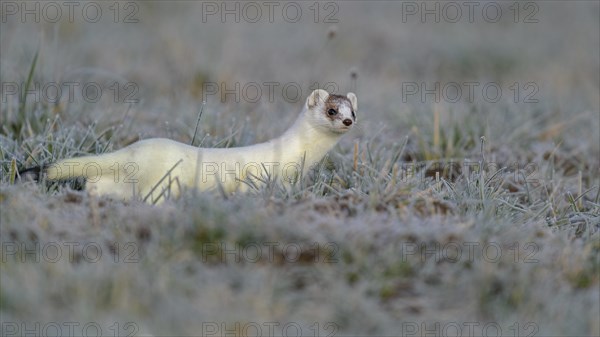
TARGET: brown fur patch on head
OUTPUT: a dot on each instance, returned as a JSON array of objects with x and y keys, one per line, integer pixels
[{"x": 334, "y": 102}]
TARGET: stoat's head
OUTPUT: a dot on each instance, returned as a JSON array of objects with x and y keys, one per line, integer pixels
[{"x": 334, "y": 113}]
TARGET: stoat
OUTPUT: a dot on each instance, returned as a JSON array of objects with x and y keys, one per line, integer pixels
[{"x": 156, "y": 168}]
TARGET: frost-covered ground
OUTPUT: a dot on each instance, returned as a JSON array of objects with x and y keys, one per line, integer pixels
[{"x": 402, "y": 231}]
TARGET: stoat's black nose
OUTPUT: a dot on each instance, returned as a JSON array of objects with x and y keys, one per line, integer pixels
[{"x": 347, "y": 122}]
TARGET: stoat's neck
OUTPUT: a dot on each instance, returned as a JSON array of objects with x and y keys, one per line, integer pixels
[{"x": 304, "y": 141}]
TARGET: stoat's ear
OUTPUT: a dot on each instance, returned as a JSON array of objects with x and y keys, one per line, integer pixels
[
  {"x": 352, "y": 97},
  {"x": 315, "y": 97}
]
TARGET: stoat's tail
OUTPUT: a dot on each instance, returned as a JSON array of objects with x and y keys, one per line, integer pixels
[
  {"x": 89, "y": 166},
  {"x": 32, "y": 173}
]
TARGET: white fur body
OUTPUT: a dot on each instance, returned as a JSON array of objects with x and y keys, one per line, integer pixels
[{"x": 156, "y": 168}]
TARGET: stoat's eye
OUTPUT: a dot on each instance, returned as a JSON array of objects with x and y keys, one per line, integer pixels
[
  {"x": 332, "y": 112},
  {"x": 353, "y": 115}
]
